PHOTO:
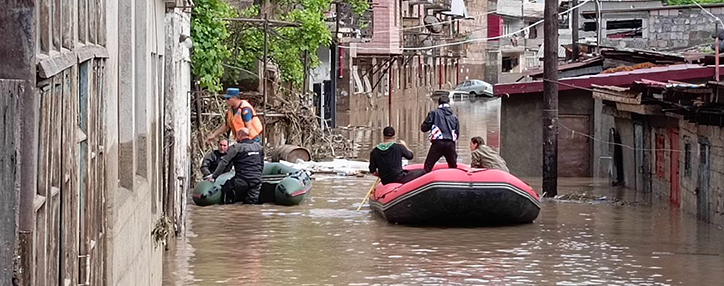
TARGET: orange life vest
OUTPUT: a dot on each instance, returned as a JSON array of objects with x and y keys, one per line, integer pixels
[{"x": 235, "y": 120}]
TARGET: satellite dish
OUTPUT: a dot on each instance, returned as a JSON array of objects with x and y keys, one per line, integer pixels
[{"x": 432, "y": 24}]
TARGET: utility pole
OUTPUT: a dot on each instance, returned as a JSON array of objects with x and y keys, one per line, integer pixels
[
  {"x": 263, "y": 74},
  {"x": 574, "y": 30},
  {"x": 598, "y": 26},
  {"x": 550, "y": 98}
]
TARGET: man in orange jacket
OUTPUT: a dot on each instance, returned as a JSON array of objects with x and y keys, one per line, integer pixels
[{"x": 240, "y": 115}]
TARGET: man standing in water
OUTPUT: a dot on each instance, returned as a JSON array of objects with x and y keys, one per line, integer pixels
[
  {"x": 247, "y": 156},
  {"x": 240, "y": 115},
  {"x": 444, "y": 130},
  {"x": 386, "y": 160}
]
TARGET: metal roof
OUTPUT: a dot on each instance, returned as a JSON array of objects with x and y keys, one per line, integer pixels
[{"x": 680, "y": 72}]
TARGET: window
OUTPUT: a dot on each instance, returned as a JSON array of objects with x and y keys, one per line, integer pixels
[
  {"x": 533, "y": 31},
  {"x": 509, "y": 63},
  {"x": 660, "y": 159},
  {"x": 590, "y": 26},
  {"x": 687, "y": 157},
  {"x": 624, "y": 29}
]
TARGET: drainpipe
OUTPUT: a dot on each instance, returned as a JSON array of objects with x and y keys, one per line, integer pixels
[{"x": 439, "y": 75}]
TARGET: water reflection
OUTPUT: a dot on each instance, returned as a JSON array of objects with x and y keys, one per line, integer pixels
[
  {"x": 326, "y": 242},
  {"x": 478, "y": 117}
]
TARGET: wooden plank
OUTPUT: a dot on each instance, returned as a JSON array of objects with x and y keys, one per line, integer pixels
[
  {"x": 57, "y": 20},
  {"x": 83, "y": 20},
  {"x": 92, "y": 17},
  {"x": 44, "y": 30},
  {"x": 622, "y": 99},
  {"x": 68, "y": 20},
  {"x": 646, "y": 109},
  {"x": 10, "y": 91},
  {"x": 101, "y": 187},
  {"x": 101, "y": 7},
  {"x": 69, "y": 194},
  {"x": 56, "y": 63}
]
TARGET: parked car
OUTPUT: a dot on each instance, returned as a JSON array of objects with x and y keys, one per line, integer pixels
[
  {"x": 452, "y": 94},
  {"x": 476, "y": 88}
]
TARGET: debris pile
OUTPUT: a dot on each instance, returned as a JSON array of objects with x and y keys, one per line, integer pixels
[{"x": 290, "y": 119}]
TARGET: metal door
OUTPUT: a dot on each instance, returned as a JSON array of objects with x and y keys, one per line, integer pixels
[
  {"x": 639, "y": 155},
  {"x": 702, "y": 189},
  {"x": 674, "y": 193}
]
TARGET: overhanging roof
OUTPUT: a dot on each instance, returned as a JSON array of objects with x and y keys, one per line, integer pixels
[{"x": 681, "y": 72}]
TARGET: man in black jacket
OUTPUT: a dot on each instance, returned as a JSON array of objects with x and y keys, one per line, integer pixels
[
  {"x": 444, "y": 130},
  {"x": 386, "y": 160},
  {"x": 211, "y": 160},
  {"x": 247, "y": 156}
]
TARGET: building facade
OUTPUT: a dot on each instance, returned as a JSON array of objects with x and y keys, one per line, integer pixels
[
  {"x": 89, "y": 121},
  {"x": 415, "y": 48}
]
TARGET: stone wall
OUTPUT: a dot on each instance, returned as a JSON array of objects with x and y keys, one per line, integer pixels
[{"x": 666, "y": 28}]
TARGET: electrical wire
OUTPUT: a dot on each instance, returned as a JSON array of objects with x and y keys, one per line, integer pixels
[{"x": 469, "y": 40}]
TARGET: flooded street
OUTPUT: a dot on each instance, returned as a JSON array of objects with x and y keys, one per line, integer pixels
[{"x": 324, "y": 241}]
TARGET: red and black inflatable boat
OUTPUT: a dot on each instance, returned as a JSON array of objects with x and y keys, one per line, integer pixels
[{"x": 457, "y": 196}]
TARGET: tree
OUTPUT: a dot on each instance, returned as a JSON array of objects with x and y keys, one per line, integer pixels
[
  {"x": 209, "y": 32},
  {"x": 216, "y": 42}
]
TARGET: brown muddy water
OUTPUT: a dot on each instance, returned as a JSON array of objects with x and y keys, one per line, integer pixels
[{"x": 325, "y": 241}]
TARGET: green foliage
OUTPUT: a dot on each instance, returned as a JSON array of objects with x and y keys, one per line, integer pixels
[
  {"x": 209, "y": 32},
  {"x": 217, "y": 42},
  {"x": 690, "y": 2},
  {"x": 361, "y": 6},
  {"x": 288, "y": 45}
]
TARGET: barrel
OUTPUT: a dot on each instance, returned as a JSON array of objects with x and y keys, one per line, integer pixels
[{"x": 290, "y": 153}]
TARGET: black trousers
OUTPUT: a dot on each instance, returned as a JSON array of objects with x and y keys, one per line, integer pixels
[
  {"x": 408, "y": 176},
  {"x": 438, "y": 149},
  {"x": 238, "y": 190}
]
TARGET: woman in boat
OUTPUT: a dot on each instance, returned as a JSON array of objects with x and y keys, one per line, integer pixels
[{"x": 485, "y": 157}]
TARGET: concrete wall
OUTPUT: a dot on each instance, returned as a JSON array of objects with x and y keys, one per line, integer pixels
[
  {"x": 521, "y": 128},
  {"x": 693, "y": 134},
  {"x": 133, "y": 257}
]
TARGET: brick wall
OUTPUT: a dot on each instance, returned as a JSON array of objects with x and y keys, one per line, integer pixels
[{"x": 386, "y": 29}]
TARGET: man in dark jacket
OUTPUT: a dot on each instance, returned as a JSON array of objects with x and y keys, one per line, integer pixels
[
  {"x": 211, "y": 160},
  {"x": 247, "y": 156},
  {"x": 386, "y": 160},
  {"x": 444, "y": 130}
]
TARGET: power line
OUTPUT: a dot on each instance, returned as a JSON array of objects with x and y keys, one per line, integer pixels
[
  {"x": 469, "y": 40},
  {"x": 710, "y": 14},
  {"x": 423, "y": 26}
]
